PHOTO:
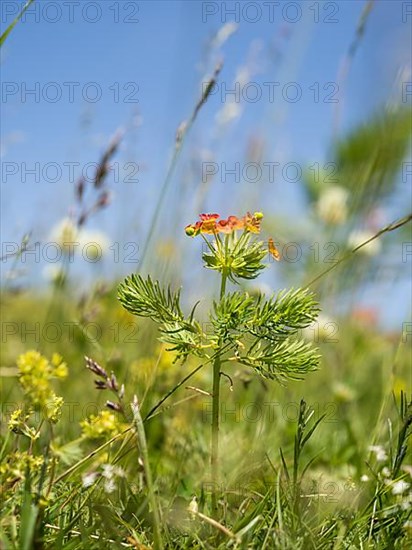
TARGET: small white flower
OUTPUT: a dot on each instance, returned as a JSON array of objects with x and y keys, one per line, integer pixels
[
  {"x": 110, "y": 472},
  {"x": 385, "y": 472},
  {"x": 107, "y": 471},
  {"x": 193, "y": 507},
  {"x": 65, "y": 234},
  {"x": 356, "y": 238},
  {"x": 399, "y": 487},
  {"x": 93, "y": 245},
  {"x": 364, "y": 478},
  {"x": 332, "y": 205},
  {"x": 380, "y": 453},
  {"x": 89, "y": 479},
  {"x": 109, "y": 486}
]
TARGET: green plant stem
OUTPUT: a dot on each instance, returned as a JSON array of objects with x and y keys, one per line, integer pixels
[
  {"x": 169, "y": 393},
  {"x": 138, "y": 423},
  {"x": 187, "y": 125},
  {"x": 214, "y": 457},
  {"x": 391, "y": 227},
  {"x": 215, "y": 432},
  {"x": 14, "y": 23}
]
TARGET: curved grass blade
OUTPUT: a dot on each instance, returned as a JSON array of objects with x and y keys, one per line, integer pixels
[{"x": 14, "y": 23}]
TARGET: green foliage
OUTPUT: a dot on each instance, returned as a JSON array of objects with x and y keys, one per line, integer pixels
[
  {"x": 281, "y": 359},
  {"x": 370, "y": 156},
  {"x": 289, "y": 312},
  {"x": 257, "y": 329},
  {"x": 405, "y": 430},
  {"x": 236, "y": 258},
  {"x": 263, "y": 333},
  {"x": 261, "y": 504},
  {"x": 231, "y": 314},
  {"x": 145, "y": 298},
  {"x": 367, "y": 160}
]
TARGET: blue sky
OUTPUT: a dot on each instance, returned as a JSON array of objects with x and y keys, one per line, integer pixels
[{"x": 159, "y": 53}]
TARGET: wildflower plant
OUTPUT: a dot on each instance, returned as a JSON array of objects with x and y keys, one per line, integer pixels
[
  {"x": 258, "y": 332},
  {"x": 29, "y": 459},
  {"x": 35, "y": 375}
]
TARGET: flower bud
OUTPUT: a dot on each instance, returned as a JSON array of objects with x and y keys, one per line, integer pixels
[{"x": 190, "y": 231}]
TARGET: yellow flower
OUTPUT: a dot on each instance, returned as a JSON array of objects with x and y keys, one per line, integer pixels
[
  {"x": 17, "y": 418},
  {"x": 54, "y": 409},
  {"x": 14, "y": 467},
  {"x": 18, "y": 424},
  {"x": 36, "y": 372},
  {"x": 104, "y": 424}
]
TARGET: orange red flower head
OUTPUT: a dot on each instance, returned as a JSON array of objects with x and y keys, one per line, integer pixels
[{"x": 211, "y": 225}]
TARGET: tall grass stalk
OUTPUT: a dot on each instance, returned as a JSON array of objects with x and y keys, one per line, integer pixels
[
  {"x": 181, "y": 133},
  {"x": 138, "y": 423}
]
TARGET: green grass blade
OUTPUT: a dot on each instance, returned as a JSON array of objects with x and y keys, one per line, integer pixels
[{"x": 14, "y": 23}]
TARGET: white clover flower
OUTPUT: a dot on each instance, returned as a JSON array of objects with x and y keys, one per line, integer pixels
[
  {"x": 94, "y": 245},
  {"x": 399, "y": 487},
  {"x": 66, "y": 235},
  {"x": 332, "y": 205},
  {"x": 89, "y": 479},
  {"x": 109, "y": 486},
  {"x": 380, "y": 454},
  {"x": 356, "y": 238},
  {"x": 110, "y": 472}
]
